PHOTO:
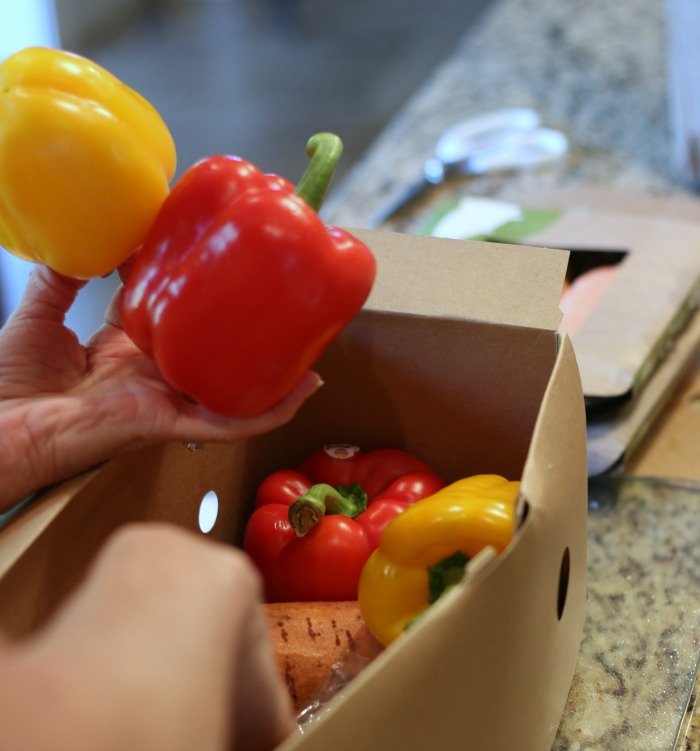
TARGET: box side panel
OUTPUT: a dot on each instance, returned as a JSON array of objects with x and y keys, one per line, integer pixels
[
  {"x": 488, "y": 669},
  {"x": 165, "y": 483},
  {"x": 555, "y": 485}
]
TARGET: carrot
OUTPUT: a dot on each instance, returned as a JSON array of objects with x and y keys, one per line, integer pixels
[{"x": 311, "y": 639}]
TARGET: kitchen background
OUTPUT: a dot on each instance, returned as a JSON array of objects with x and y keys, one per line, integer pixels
[{"x": 251, "y": 77}]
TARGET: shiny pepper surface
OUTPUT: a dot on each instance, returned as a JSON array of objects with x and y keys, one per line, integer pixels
[
  {"x": 240, "y": 286},
  {"x": 313, "y": 528},
  {"x": 85, "y": 163},
  {"x": 423, "y": 551}
]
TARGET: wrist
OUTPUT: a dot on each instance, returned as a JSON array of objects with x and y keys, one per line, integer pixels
[
  {"x": 18, "y": 477},
  {"x": 50, "y": 439}
]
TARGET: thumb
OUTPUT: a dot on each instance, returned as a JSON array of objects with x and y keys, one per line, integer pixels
[{"x": 48, "y": 296}]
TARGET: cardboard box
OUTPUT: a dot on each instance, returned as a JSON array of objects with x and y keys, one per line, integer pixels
[
  {"x": 457, "y": 359},
  {"x": 641, "y": 336}
]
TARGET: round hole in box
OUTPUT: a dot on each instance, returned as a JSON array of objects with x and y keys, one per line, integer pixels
[
  {"x": 208, "y": 511},
  {"x": 563, "y": 582}
]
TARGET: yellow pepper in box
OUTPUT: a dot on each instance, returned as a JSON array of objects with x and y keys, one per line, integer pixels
[
  {"x": 424, "y": 550},
  {"x": 85, "y": 163}
]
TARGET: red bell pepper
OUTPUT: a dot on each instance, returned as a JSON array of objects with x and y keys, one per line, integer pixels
[
  {"x": 313, "y": 528},
  {"x": 240, "y": 286}
]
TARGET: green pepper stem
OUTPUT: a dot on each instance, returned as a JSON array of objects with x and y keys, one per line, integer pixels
[
  {"x": 321, "y": 499},
  {"x": 445, "y": 574},
  {"x": 324, "y": 150}
]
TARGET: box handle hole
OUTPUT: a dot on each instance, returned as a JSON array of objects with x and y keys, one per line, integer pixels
[
  {"x": 208, "y": 511},
  {"x": 563, "y": 582}
]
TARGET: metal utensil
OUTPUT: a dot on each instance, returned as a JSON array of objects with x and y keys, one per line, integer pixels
[{"x": 507, "y": 139}]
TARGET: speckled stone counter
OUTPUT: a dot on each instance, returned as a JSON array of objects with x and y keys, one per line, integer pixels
[
  {"x": 594, "y": 69},
  {"x": 641, "y": 640},
  {"x": 597, "y": 71}
]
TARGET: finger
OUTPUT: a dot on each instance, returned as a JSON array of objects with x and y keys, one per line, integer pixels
[
  {"x": 262, "y": 706},
  {"x": 48, "y": 295},
  {"x": 200, "y": 424}
]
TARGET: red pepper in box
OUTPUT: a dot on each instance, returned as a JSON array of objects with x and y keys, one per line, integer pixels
[
  {"x": 240, "y": 286},
  {"x": 313, "y": 529}
]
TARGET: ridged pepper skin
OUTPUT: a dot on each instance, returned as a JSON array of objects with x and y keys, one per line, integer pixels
[
  {"x": 85, "y": 163},
  {"x": 433, "y": 538},
  {"x": 240, "y": 286}
]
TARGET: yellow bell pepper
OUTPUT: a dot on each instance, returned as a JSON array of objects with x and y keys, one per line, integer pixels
[
  {"x": 85, "y": 163},
  {"x": 424, "y": 549}
]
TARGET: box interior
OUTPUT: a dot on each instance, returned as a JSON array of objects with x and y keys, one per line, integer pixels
[{"x": 463, "y": 395}]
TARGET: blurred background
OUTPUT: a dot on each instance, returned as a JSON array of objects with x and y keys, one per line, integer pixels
[{"x": 249, "y": 77}]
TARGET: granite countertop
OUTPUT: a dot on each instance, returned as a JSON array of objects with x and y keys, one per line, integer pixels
[{"x": 596, "y": 70}]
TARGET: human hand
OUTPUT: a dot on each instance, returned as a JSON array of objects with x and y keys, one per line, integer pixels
[
  {"x": 65, "y": 407},
  {"x": 163, "y": 647}
]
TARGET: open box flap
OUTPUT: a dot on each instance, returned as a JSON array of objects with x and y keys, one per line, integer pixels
[{"x": 494, "y": 282}]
